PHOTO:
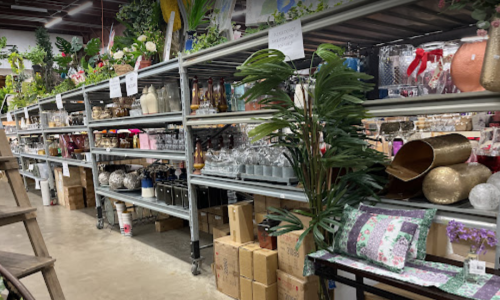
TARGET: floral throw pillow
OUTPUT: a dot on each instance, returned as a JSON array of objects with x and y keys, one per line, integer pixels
[
  {"x": 422, "y": 217},
  {"x": 379, "y": 239}
]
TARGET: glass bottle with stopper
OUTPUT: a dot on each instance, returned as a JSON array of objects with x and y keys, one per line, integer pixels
[{"x": 199, "y": 161}]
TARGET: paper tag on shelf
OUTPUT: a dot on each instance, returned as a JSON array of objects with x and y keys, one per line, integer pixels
[
  {"x": 88, "y": 157},
  {"x": 288, "y": 39},
  {"x": 168, "y": 37},
  {"x": 282, "y": 196},
  {"x": 66, "y": 169},
  {"x": 9, "y": 117},
  {"x": 107, "y": 149},
  {"x": 26, "y": 114},
  {"x": 115, "y": 90},
  {"x": 59, "y": 101},
  {"x": 37, "y": 184},
  {"x": 131, "y": 80},
  {"x": 31, "y": 167},
  {"x": 477, "y": 267}
]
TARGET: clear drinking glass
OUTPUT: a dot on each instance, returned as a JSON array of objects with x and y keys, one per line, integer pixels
[{"x": 393, "y": 65}]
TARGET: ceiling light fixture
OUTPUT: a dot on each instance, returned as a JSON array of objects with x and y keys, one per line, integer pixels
[
  {"x": 53, "y": 22},
  {"x": 80, "y": 8},
  {"x": 28, "y": 8}
]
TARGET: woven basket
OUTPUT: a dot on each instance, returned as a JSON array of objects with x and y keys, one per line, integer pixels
[{"x": 123, "y": 69}]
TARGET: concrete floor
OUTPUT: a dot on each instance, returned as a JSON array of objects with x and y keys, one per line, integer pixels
[{"x": 103, "y": 264}]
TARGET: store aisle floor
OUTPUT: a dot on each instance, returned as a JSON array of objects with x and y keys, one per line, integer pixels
[{"x": 102, "y": 264}]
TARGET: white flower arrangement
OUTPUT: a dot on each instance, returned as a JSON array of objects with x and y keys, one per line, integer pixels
[
  {"x": 151, "y": 47},
  {"x": 142, "y": 38},
  {"x": 118, "y": 55}
]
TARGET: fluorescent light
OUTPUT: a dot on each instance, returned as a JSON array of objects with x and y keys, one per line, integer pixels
[
  {"x": 80, "y": 8},
  {"x": 28, "y": 8},
  {"x": 53, "y": 22}
]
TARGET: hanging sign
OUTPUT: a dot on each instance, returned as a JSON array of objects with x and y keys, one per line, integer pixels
[
  {"x": 288, "y": 39},
  {"x": 115, "y": 90},
  {"x": 168, "y": 38},
  {"x": 37, "y": 184},
  {"x": 9, "y": 117},
  {"x": 131, "y": 81},
  {"x": 26, "y": 114},
  {"x": 59, "y": 101},
  {"x": 31, "y": 167},
  {"x": 66, "y": 169}
]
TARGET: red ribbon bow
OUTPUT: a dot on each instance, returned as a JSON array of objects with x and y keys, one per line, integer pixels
[{"x": 423, "y": 56}]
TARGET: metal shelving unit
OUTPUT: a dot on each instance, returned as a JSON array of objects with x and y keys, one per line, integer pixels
[{"x": 366, "y": 23}]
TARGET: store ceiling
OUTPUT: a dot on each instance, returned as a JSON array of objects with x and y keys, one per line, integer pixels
[{"x": 30, "y": 14}]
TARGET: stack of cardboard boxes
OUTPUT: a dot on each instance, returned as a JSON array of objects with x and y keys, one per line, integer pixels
[
  {"x": 75, "y": 191},
  {"x": 213, "y": 217},
  {"x": 246, "y": 271}
]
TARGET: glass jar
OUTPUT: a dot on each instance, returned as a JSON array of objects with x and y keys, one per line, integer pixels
[
  {"x": 449, "y": 51},
  {"x": 467, "y": 64},
  {"x": 426, "y": 81},
  {"x": 394, "y": 61},
  {"x": 468, "y": 276},
  {"x": 173, "y": 96}
]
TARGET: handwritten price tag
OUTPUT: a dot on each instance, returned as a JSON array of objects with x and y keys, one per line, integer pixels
[
  {"x": 59, "y": 102},
  {"x": 115, "y": 90},
  {"x": 288, "y": 39},
  {"x": 131, "y": 80}
]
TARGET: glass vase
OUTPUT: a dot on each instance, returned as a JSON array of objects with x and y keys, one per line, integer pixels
[
  {"x": 468, "y": 276},
  {"x": 490, "y": 75}
]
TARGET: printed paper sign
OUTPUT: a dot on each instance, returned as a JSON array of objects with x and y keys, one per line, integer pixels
[
  {"x": 88, "y": 156},
  {"x": 131, "y": 80},
  {"x": 288, "y": 39},
  {"x": 477, "y": 267},
  {"x": 26, "y": 114},
  {"x": 37, "y": 184},
  {"x": 23, "y": 123},
  {"x": 9, "y": 117},
  {"x": 59, "y": 101},
  {"x": 31, "y": 167},
  {"x": 115, "y": 90},
  {"x": 66, "y": 169}
]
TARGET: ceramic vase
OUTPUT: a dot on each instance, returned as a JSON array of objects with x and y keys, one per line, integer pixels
[
  {"x": 144, "y": 64},
  {"x": 199, "y": 161},
  {"x": 152, "y": 101},
  {"x": 188, "y": 45},
  {"x": 195, "y": 101},
  {"x": 467, "y": 64},
  {"x": 143, "y": 100},
  {"x": 490, "y": 75}
]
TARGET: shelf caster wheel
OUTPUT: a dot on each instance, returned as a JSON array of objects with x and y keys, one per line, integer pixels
[
  {"x": 100, "y": 224},
  {"x": 195, "y": 268}
]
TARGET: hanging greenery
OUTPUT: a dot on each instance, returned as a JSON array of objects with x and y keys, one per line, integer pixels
[
  {"x": 43, "y": 41},
  {"x": 211, "y": 38}
]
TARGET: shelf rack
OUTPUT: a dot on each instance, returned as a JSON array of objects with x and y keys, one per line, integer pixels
[{"x": 368, "y": 24}]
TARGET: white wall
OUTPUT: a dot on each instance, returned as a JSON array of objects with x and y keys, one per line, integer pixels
[{"x": 24, "y": 39}]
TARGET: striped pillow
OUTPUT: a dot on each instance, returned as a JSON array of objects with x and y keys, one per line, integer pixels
[{"x": 379, "y": 239}]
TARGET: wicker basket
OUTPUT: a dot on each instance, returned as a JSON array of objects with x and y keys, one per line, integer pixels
[{"x": 123, "y": 69}]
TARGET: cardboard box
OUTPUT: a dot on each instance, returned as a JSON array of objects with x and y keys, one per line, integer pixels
[
  {"x": 265, "y": 292},
  {"x": 73, "y": 197},
  {"x": 221, "y": 231},
  {"x": 273, "y": 202},
  {"x": 202, "y": 226},
  {"x": 202, "y": 217},
  {"x": 265, "y": 264},
  {"x": 219, "y": 211},
  {"x": 290, "y": 260},
  {"x": 63, "y": 181},
  {"x": 246, "y": 288},
  {"x": 210, "y": 229},
  {"x": 168, "y": 224},
  {"x": 216, "y": 220},
  {"x": 241, "y": 222},
  {"x": 260, "y": 216},
  {"x": 86, "y": 178},
  {"x": 227, "y": 268},
  {"x": 259, "y": 203},
  {"x": 292, "y": 204},
  {"x": 291, "y": 287},
  {"x": 246, "y": 260},
  {"x": 394, "y": 290}
]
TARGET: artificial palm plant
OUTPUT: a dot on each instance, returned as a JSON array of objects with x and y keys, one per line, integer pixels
[{"x": 344, "y": 173}]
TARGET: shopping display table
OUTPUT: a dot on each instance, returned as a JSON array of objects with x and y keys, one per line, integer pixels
[{"x": 326, "y": 266}]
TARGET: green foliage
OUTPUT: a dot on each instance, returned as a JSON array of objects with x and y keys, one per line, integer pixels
[
  {"x": 138, "y": 16},
  {"x": 196, "y": 11},
  {"x": 97, "y": 75},
  {"x": 209, "y": 39},
  {"x": 16, "y": 62},
  {"x": 43, "y": 41},
  {"x": 342, "y": 175},
  {"x": 64, "y": 86},
  {"x": 35, "y": 55},
  {"x": 3, "y": 54},
  {"x": 483, "y": 11},
  {"x": 63, "y": 45},
  {"x": 294, "y": 13}
]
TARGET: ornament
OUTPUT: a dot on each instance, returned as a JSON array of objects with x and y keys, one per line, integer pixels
[{"x": 485, "y": 196}]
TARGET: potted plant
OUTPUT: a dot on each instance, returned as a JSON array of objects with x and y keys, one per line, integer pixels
[
  {"x": 196, "y": 11},
  {"x": 36, "y": 56},
  {"x": 330, "y": 108},
  {"x": 146, "y": 48}
]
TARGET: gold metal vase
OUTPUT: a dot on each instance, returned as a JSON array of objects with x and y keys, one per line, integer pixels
[{"x": 490, "y": 75}]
